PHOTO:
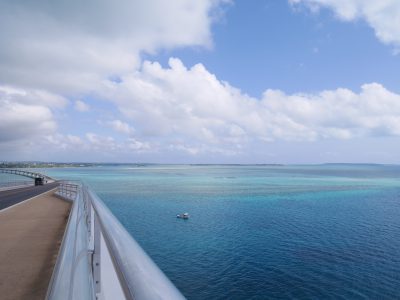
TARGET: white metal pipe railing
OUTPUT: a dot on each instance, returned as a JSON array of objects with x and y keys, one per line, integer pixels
[
  {"x": 116, "y": 262},
  {"x": 72, "y": 274},
  {"x": 27, "y": 173}
]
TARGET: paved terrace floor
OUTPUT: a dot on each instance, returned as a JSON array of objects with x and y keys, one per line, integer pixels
[{"x": 30, "y": 237}]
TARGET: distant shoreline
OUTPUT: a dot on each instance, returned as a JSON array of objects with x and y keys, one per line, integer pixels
[{"x": 38, "y": 165}]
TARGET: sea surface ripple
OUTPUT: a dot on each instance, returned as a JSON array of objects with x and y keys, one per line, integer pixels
[{"x": 262, "y": 232}]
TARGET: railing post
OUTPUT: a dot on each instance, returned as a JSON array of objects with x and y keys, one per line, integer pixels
[{"x": 96, "y": 256}]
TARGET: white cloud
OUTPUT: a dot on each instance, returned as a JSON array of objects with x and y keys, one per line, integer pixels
[
  {"x": 72, "y": 46},
  {"x": 81, "y": 106},
  {"x": 339, "y": 113},
  {"x": 49, "y": 49},
  {"x": 25, "y": 114},
  {"x": 193, "y": 106},
  {"x": 74, "y": 140},
  {"x": 32, "y": 96},
  {"x": 382, "y": 15},
  {"x": 53, "y": 48},
  {"x": 121, "y": 127},
  {"x": 189, "y": 110},
  {"x": 98, "y": 140},
  {"x": 138, "y": 146},
  {"x": 95, "y": 144}
]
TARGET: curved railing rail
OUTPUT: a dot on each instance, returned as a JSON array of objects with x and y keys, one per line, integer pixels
[
  {"x": 39, "y": 179},
  {"x": 139, "y": 275},
  {"x": 72, "y": 277},
  {"x": 94, "y": 229},
  {"x": 25, "y": 173}
]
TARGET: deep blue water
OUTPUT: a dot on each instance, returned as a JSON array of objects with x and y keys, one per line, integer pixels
[{"x": 262, "y": 232}]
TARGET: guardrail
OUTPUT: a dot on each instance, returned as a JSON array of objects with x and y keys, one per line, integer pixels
[
  {"x": 99, "y": 259},
  {"x": 72, "y": 277},
  {"x": 26, "y": 173},
  {"x": 68, "y": 190}
]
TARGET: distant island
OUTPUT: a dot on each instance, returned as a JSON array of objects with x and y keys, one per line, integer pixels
[
  {"x": 36, "y": 164},
  {"x": 41, "y": 164}
]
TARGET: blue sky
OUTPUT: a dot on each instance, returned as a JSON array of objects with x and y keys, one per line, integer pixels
[
  {"x": 213, "y": 81},
  {"x": 262, "y": 44}
]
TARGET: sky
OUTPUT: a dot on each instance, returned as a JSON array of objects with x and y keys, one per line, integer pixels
[{"x": 200, "y": 81}]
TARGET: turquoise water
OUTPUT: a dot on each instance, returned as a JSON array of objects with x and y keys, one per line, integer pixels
[
  {"x": 10, "y": 180},
  {"x": 262, "y": 232}
]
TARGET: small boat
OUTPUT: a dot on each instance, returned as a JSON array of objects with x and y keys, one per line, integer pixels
[{"x": 183, "y": 216}]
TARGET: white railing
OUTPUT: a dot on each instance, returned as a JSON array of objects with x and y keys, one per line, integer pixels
[
  {"x": 68, "y": 190},
  {"x": 99, "y": 259},
  {"x": 27, "y": 173},
  {"x": 72, "y": 276}
]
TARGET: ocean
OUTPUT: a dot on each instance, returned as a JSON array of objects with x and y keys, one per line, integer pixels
[
  {"x": 11, "y": 180},
  {"x": 261, "y": 232}
]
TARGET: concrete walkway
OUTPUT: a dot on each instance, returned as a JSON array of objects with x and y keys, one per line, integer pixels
[{"x": 30, "y": 236}]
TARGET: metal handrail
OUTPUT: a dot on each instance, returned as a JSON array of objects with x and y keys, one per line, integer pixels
[
  {"x": 71, "y": 277},
  {"x": 139, "y": 276},
  {"x": 91, "y": 221},
  {"x": 25, "y": 173}
]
